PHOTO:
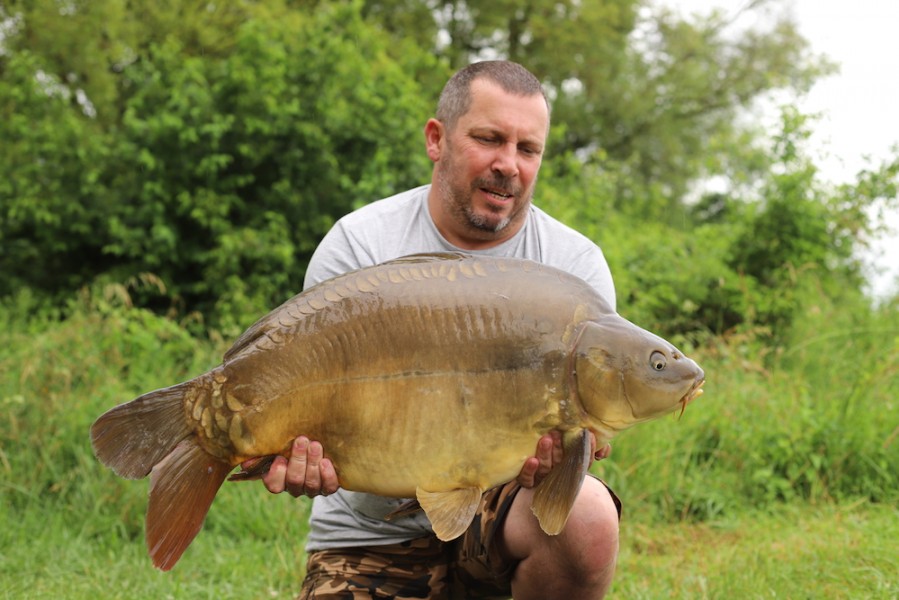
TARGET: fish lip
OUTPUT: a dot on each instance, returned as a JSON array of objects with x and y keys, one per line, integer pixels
[{"x": 694, "y": 392}]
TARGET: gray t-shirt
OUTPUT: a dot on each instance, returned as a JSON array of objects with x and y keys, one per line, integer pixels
[{"x": 398, "y": 226}]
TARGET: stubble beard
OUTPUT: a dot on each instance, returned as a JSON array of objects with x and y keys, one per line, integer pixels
[
  {"x": 482, "y": 222},
  {"x": 460, "y": 204}
]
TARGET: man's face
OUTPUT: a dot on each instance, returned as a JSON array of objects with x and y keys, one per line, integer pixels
[{"x": 485, "y": 169}]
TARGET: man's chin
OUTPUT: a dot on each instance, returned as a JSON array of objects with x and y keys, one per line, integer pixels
[{"x": 488, "y": 224}]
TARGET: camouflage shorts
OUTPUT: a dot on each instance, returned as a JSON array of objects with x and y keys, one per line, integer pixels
[{"x": 469, "y": 567}]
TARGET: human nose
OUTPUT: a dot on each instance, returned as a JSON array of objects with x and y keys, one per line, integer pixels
[{"x": 505, "y": 160}]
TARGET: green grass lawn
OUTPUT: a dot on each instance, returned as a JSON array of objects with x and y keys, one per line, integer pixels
[
  {"x": 250, "y": 547},
  {"x": 801, "y": 551}
]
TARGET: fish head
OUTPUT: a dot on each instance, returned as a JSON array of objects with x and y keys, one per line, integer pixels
[{"x": 627, "y": 375}]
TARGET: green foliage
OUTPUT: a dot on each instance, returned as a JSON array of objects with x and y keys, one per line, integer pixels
[
  {"x": 749, "y": 260},
  {"x": 86, "y": 45},
  {"x": 59, "y": 376},
  {"x": 220, "y": 143},
  {"x": 51, "y": 189},
  {"x": 800, "y": 240},
  {"x": 679, "y": 282},
  {"x": 675, "y": 113},
  {"x": 246, "y": 166},
  {"x": 222, "y": 171},
  {"x": 673, "y": 280}
]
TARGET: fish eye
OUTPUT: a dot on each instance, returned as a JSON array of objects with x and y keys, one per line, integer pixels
[{"x": 657, "y": 361}]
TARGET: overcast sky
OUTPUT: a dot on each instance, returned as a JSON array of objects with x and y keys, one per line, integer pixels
[{"x": 859, "y": 105}]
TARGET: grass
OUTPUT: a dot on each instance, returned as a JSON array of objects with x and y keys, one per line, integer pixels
[
  {"x": 50, "y": 553},
  {"x": 781, "y": 482},
  {"x": 799, "y": 551}
]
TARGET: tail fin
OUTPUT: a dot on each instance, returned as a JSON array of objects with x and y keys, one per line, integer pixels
[
  {"x": 182, "y": 488},
  {"x": 132, "y": 437}
]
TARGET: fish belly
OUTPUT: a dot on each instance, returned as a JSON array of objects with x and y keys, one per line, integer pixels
[{"x": 389, "y": 436}]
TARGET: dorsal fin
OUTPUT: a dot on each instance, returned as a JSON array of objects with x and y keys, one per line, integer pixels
[
  {"x": 297, "y": 307},
  {"x": 269, "y": 322},
  {"x": 428, "y": 257}
]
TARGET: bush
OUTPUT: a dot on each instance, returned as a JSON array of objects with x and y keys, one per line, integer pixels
[{"x": 221, "y": 172}]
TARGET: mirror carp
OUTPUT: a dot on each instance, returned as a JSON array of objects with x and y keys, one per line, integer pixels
[{"x": 428, "y": 377}]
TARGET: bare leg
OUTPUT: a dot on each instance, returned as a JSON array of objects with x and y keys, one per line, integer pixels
[{"x": 577, "y": 563}]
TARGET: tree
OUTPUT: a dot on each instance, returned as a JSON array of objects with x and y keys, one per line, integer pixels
[{"x": 220, "y": 171}]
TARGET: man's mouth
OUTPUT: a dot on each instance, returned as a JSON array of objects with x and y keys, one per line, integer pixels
[{"x": 497, "y": 194}]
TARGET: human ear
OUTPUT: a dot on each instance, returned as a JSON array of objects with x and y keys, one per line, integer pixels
[{"x": 434, "y": 133}]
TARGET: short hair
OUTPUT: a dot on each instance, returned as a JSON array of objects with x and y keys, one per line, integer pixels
[{"x": 455, "y": 100}]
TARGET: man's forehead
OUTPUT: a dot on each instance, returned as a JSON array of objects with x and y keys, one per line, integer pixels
[{"x": 492, "y": 106}]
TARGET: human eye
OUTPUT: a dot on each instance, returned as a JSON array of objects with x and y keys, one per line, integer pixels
[{"x": 485, "y": 139}]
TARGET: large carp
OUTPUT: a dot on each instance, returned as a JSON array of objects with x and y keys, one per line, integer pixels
[{"x": 430, "y": 376}]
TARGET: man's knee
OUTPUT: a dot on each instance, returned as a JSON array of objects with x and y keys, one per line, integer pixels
[
  {"x": 579, "y": 562},
  {"x": 591, "y": 534},
  {"x": 589, "y": 539}
]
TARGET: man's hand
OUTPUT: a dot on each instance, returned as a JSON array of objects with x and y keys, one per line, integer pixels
[
  {"x": 548, "y": 455},
  {"x": 305, "y": 473}
]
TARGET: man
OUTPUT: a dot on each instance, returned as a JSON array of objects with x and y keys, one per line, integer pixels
[{"x": 487, "y": 144}]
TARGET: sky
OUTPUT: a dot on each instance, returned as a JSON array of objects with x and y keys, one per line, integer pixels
[{"x": 859, "y": 106}]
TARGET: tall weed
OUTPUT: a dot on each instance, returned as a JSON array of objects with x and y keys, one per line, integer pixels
[{"x": 58, "y": 376}]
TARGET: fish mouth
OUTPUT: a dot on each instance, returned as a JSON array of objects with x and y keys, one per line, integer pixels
[{"x": 692, "y": 394}]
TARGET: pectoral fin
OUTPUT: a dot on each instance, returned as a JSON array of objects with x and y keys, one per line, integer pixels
[
  {"x": 555, "y": 495},
  {"x": 450, "y": 512},
  {"x": 254, "y": 468}
]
